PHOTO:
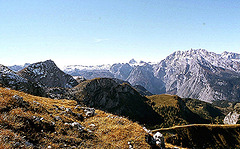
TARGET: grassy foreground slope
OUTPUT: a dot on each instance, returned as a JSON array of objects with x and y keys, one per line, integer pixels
[
  {"x": 37, "y": 122},
  {"x": 200, "y": 136}
]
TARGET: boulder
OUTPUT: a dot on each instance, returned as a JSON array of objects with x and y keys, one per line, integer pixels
[{"x": 158, "y": 137}]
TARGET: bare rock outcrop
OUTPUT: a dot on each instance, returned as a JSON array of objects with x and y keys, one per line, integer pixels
[
  {"x": 48, "y": 75},
  {"x": 231, "y": 118},
  {"x": 9, "y": 78},
  {"x": 121, "y": 99}
]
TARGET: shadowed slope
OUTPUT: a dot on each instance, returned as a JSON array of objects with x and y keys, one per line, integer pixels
[
  {"x": 203, "y": 136},
  {"x": 120, "y": 99}
]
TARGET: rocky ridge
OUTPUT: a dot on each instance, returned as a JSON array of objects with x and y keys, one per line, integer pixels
[
  {"x": 48, "y": 75},
  {"x": 199, "y": 74},
  {"x": 17, "y": 68},
  {"x": 190, "y": 74}
]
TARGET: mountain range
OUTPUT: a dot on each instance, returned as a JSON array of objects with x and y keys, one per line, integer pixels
[
  {"x": 109, "y": 94},
  {"x": 195, "y": 73},
  {"x": 112, "y": 95},
  {"x": 123, "y": 91}
]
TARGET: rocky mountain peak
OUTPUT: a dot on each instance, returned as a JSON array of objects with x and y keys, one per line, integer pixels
[
  {"x": 49, "y": 63},
  {"x": 197, "y": 73},
  {"x": 192, "y": 54},
  {"x": 48, "y": 74},
  {"x": 42, "y": 67},
  {"x": 132, "y": 61},
  {"x": 203, "y": 57},
  {"x": 231, "y": 55}
]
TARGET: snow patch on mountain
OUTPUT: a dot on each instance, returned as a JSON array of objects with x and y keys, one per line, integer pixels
[
  {"x": 48, "y": 75},
  {"x": 7, "y": 74},
  {"x": 9, "y": 78},
  {"x": 70, "y": 68},
  {"x": 105, "y": 67}
]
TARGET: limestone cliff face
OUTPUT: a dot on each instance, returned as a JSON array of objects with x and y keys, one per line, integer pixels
[
  {"x": 48, "y": 75},
  {"x": 121, "y": 71},
  {"x": 144, "y": 75},
  {"x": 200, "y": 74},
  {"x": 121, "y": 99}
]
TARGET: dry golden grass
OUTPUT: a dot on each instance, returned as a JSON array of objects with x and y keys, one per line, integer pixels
[
  {"x": 115, "y": 130},
  {"x": 17, "y": 122},
  {"x": 8, "y": 137},
  {"x": 164, "y": 100}
]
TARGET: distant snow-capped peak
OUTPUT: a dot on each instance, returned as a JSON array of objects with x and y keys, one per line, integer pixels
[
  {"x": 132, "y": 63},
  {"x": 17, "y": 68},
  {"x": 82, "y": 67}
]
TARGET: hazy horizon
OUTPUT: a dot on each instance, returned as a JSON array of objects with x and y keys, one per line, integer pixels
[{"x": 137, "y": 60}]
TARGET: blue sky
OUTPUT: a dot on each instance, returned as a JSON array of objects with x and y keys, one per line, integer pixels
[{"x": 91, "y": 32}]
